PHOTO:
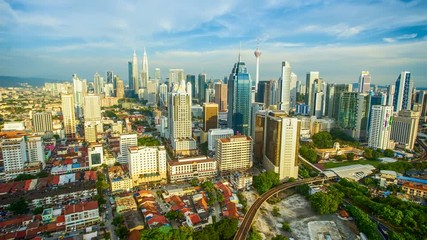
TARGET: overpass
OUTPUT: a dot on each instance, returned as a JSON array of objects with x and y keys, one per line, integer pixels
[
  {"x": 309, "y": 163},
  {"x": 244, "y": 228}
]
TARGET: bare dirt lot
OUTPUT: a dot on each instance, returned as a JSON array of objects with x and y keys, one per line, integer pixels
[{"x": 297, "y": 212}]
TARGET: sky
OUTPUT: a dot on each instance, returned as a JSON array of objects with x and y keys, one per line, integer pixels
[{"x": 55, "y": 39}]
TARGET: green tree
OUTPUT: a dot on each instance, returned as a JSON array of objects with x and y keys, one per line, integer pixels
[
  {"x": 183, "y": 233},
  {"x": 38, "y": 210},
  {"x": 388, "y": 153},
  {"x": 279, "y": 237},
  {"x": 148, "y": 141},
  {"x": 265, "y": 181},
  {"x": 121, "y": 231},
  {"x": 326, "y": 203},
  {"x": 227, "y": 227},
  {"x": 308, "y": 153},
  {"x": 276, "y": 212},
  {"x": 19, "y": 207},
  {"x": 368, "y": 153},
  {"x": 286, "y": 227},
  {"x": 23, "y": 177},
  {"x": 110, "y": 114},
  {"x": 322, "y": 140},
  {"x": 194, "y": 182},
  {"x": 350, "y": 156},
  {"x": 174, "y": 215},
  {"x": 254, "y": 235}
]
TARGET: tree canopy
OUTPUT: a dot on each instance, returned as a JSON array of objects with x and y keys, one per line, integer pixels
[
  {"x": 263, "y": 182},
  {"x": 19, "y": 207},
  {"x": 323, "y": 140},
  {"x": 308, "y": 153}
]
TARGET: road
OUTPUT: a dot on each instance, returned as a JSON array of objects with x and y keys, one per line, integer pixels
[
  {"x": 109, "y": 220},
  {"x": 244, "y": 228}
]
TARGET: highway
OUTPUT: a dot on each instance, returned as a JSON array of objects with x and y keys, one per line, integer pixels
[{"x": 244, "y": 228}]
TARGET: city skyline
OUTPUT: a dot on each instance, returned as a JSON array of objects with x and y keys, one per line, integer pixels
[{"x": 45, "y": 39}]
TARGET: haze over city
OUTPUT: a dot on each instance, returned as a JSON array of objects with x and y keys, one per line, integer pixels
[{"x": 339, "y": 39}]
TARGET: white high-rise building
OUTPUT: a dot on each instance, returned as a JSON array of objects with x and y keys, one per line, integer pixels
[
  {"x": 126, "y": 141},
  {"x": 98, "y": 84},
  {"x": 78, "y": 91},
  {"x": 179, "y": 116},
  {"x": 134, "y": 73},
  {"x": 364, "y": 82},
  {"x": 92, "y": 108},
  {"x": 157, "y": 74},
  {"x": 234, "y": 154},
  {"x": 218, "y": 133},
  {"x": 175, "y": 77},
  {"x": 163, "y": 94},
  {"x": 405, "y": 128},
  {"x": 281, "y": 144},
  {"x": 293, "y": 90},
  {"x": 35, "y": 150},
  {"x": 310, "y": 77},
  {"x": 14, "y": 152},
  {"x": 189, "y": 86},
  {"x": 68, "y": 114},
  {"x": 285, "y": 87},
  {"x": 145, "y": 73},
  {"x": 403, "y": 92},
  {"x": 147, "y": 164},
  {"x": 380, "y": 127}
]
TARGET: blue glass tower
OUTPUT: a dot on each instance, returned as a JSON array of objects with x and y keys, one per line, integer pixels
[
  {"x": 239, "y": 99},
  {"x": 403, "y": 93}
]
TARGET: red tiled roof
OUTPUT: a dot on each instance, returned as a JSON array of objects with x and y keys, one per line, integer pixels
[
  {"x": 232, "y": 210},
  {"x": 194, "y": 218},
  {"x": 20, "y": 234},
  {"x": 27, "y": 185},
  {"x": 15, "y": 221},
  {"x": 134, "y": 235},
  {"x": 60, "y": 219},
  {"x": 157, "y": 219},
  {"x": 81, "y": 207}
]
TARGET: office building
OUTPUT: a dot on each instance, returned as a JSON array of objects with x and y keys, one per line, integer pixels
[
  {"x": 239, "y": 99},
  {"x": 310, "y": 78},
  {"x": 163, "y": 94},
  {"x": 134, "y": 74},
  {"x": 281, "y": 144},
  {"x": 98, "y": 84},
  {"x": 258, "y": 138},
  {"x": 145, "y": 72},
  {"x": 270, "y": 93},
  {"x": 285, "y": 87},
  {"x": 218, "y": 133},
  {"x": 90, "y": 132},
  {"x": 179, "y": 116},
  {"x": 317, "y": 105},
  {"x": 210, "y": 116},
  {"x": 380, "y": 127},
  {"x": 402, "y": 98},
  {"x": 186, "y": 169},
  {"x": 147, "y": 164},
  {"x": 120, "y": 89},
  {"x": 79, "y": 91},
  {"x": 405, "y": 128},
  {"x": 261, "y": 91},
  {"x": 334, "y": 106},
  {"x": 293, "y": 90},
  {"x": 126, "y": 141},
  {"x": 353, "y": 114},
  {"x": 221, "y": 96},
  {"x": 110, "y": 77},
  {"x": 69, "y": 120},
  {"x": 175, "y": 77},
  {"x": 42, "y": 122},
  {"x": 364, "y": 82},
  {"x": 157, "y": 74},
  {"x": 234, "y": 154},
  {"x": 192, "y": 79},
  {"x": 202, "y": 86}
]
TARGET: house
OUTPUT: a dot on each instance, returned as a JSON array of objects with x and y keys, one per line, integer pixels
[{"x": 81, "y": 215}]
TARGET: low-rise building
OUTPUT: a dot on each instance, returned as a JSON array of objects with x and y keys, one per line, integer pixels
[
  {"x": 81, "y": 215},
  {"x": 124, "y": 204},
  {"x": 119, "y": 180},
  {"x": 185, "y": 169}
]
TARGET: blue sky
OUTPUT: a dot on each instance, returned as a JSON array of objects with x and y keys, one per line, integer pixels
[{"x": 55, "y": 39}]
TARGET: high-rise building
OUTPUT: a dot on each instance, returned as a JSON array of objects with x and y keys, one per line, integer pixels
[
  {"x": 126, "y": 141},
  {"x": 134, "y": 74},
  {"x": 285, "y": 87},
  {"x": 270, "y": 93},
  {"x": 380, "y": 127},
  {"x": 163, "y": 94},
  {"x": 234, "y": 154},
  {"x": 221, "y": 96},
  {"x": 98, "y": 84},
  {"x": 175, "y": 77},
  {"x": 202, "y": 85},
  {"x": 120, "y": 88},
  {"x": 192, "y": 79},
  {"x": 78, "y": 91},
  {"x": 130, "y": 76},
  {"x": 147, "y": 164},
  {"x": 210, "y": 116},
  {"x": 317, "y": 105},
  {"x": 157, "y": 74},
  {"x": 179, "y": 117},
  {"x": 110, "y": 77},
  {"x": 281, "y": 144},
  {"x": 310, "y": 77},
  {"x": 239, "y": 99},
  {"x": 90, "y": 132},
  {"x": 92, "y": 108},
  {"x": 257, "y": 55},
  {"x": 293, "y": 90},
  {"x": 403, "y": 92},
  {"x": 258, "y": 139},
  {"x": 35, "y": 150},
  {"x": 150, "y": 93},
  {"x": 68, "y": 115},
  {"x": 364, "y": 82},
  {"x": 189, "y": 91},
  {"x": 145, "y": 72},
  {"x": 218, "y": 133},
  {"x": 353, "y": 114},
  {"x": 404, "y": 129},
  {"x": 338, "y": 89},
  {"x": 261, "y": 92},
  {"x": 42, "y": 122},
  {"x": 14, "y": 149}
]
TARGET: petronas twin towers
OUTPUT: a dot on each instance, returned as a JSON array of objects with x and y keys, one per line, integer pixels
[{"x": 136, "y": 80}]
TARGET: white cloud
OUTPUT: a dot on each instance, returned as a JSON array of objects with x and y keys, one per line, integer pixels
[{"x": 401, "y": 37}]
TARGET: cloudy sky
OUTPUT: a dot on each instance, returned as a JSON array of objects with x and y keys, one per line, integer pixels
[{"x": 54, "y": 39}]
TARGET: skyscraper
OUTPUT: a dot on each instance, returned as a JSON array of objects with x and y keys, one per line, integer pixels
[
  {"x": 92, "y": 108},
  {"x": 175, "y": 77},
  {"x": 293, "y": 90},
  {"x": 380, "y": 126},
  {"x": 126, "y": 141},
  {"x": 221, "y": 96},
  {"x": 42, "y": 122},
  {"x": 192, "y": 79},
  {"x": 98, "y": 83},
  {"x": 310, "y": 77},
  {"x": 67, "y": 103},
  {"x": 281, "y": 144},
  {"x": 135, "y": 75},
  {"x": 285, "y": 87},
  {"x": 179, "y": 117},
  {"x": 364, "y": 82},
  {"x": 201, "y": 83},
  {"x": 130, "y": 77},
  {"x": 239, "y": 98},
  {"x": 403, "y": 92},
  {"x": 157, "y": 74},
  {"x": 270, "y": 93},
  {"x": 13, "y": 149},
  {"x": 338, "y": 89},
  {"x": 210, "y": 116},
  {"x": 404, "y": 129},
  {"x": 120, "y": 88},
  {"x": 145, "y": 72},
  {"x": 78, "y": 96},
  {"x": 353, "y": 114},
  {"x": 163, "y": 94},
  {"x": 317, "y": 105},
  {"x": 110, "y": 77}
]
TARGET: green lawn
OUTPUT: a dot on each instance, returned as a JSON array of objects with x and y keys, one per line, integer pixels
[{"x": 374, "y": 163}]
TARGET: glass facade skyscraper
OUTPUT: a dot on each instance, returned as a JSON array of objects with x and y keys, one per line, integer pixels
[{"x": 239, "y": 99}]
